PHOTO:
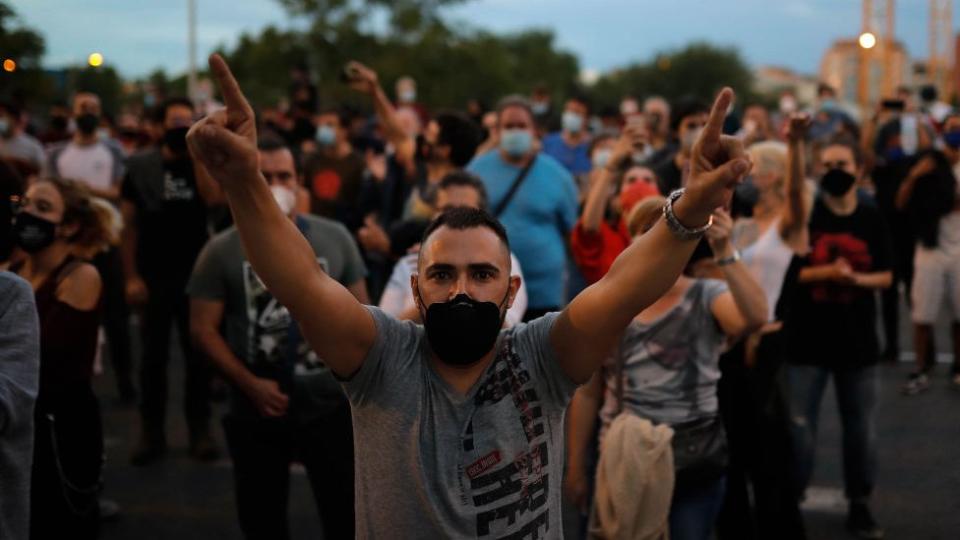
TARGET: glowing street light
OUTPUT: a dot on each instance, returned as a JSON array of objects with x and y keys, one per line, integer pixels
[
  {"x": 867, "y": 40},
  {"x": 9, "y": 65},
  {"x": 95, "y": 59}
]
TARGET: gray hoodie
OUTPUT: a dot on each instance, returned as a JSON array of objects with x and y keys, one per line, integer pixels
[{"x": 19, "y": 375}]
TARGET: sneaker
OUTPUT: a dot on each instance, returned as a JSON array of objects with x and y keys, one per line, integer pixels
[
  {"x": 916, "y": 383},
  {"x": 147, "y": 451},
  {"x": 109, "y": 509},
  {"x": 861, "y": 523}
]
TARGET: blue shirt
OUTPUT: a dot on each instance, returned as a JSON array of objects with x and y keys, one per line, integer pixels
[
  {"x": 575, "y": 158},
  {"x": 538, "y": 220}
]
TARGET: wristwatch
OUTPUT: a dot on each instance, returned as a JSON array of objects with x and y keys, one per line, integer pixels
[
  {"x": 729, "y": 260},
  {"x": 679, "y": 229}
]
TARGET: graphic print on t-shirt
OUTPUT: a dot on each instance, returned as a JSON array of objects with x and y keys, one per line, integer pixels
[
  {"x": 506, "y": 485},
  {"x": 270, "y": 326},
  {"x": 177, "y": 188},
  {"x": 829, "y": 247},
  {"x": 326, "y": 184}
]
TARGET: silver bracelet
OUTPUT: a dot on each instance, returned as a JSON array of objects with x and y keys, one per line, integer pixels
[
  {"x": 729, "y": 260},
  {"x": 680, "y": 230}
]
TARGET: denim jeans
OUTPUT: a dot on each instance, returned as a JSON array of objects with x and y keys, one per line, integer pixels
[
  {"x": 694, "y": 510},
  {"x": 856, "y": 390}
]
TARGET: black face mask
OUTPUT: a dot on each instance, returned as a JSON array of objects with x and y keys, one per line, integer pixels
[
  {"x": 462, "y": 330},
  {"x": 746, "y": 194},
  {"x": 837, "y": 182},
  {"x": 87, "y": 123},
  {"x": 33, "y": 233},
  {"x": 176, "y": 139}
]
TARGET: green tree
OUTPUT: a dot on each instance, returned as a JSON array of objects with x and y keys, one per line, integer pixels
[
  {"x": 25, "y": 47},
  {"x": 699, "y": 70}
]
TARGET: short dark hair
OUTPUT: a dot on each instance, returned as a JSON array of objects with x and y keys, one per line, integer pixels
[
  {"x": 270, "y": 142},
  {"x": 342, "y": 114},
  {"x": 514, "y": 100},
  {"x": 684, "y": 107},
  {"x": 465, "y": 179},
  {"x": 459, "y": 133},
  {"x": 11, "y": 108},
  {"x": 847, "y": 142},
  {"x": 461, "y": 218},
  {"x": 160, "y": 113}
]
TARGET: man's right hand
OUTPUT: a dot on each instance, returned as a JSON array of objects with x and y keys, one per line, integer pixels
[
  {"x": 633, "y": 138},
  {"x": 362, "y": 78},
  {"x": 225, "y": 142},
  {"x": 136, "y": 291},
  {"x": 267, "y": 397},
  {"x": 576, "y": 488}
]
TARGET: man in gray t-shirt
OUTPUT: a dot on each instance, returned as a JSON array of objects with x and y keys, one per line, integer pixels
[
  {"x": 457, "y": 426},
  {"x": 286, "y": 404}
]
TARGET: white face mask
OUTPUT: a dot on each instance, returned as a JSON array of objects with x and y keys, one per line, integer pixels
[{"x": 285, "y": 197}]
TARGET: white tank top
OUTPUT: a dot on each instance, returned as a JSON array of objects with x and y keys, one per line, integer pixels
[{"x": 768, "y": 259}]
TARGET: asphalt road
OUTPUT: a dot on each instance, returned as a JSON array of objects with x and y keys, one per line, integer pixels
[{"x": 917, "y": 497}]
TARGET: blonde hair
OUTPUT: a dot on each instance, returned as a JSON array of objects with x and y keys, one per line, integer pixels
[
  {"x": 97, "y": 228},
  {"x": 770, "y": 157},
  {"x": 645, "y": 214}
]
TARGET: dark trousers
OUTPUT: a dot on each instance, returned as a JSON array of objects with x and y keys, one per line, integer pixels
[
  {"x": 67, "y": 462},
  {"x": 262, "y": 450},
  {"x": 168, "y": 304},
  {"x": 760, "y": 500},
  {"x": 116, "y": 318},
  {"x": 856, "y": 390}
]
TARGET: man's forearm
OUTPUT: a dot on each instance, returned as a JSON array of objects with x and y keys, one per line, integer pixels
[
  {"x": 388, "y": 119},
  {"x": 582, "y": 419},
  {"x": 874, "y": 280},
  {"x": 795, "y": 214},
  {"x": 211, "y": 344},
  {"x": 128, "y": 250}
]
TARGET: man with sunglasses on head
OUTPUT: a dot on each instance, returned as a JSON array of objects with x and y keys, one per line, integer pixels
[{"x": 458, "y": 425}]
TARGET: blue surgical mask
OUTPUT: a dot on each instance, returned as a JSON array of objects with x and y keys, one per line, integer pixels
[
  {"x": 571, "y": 122},
  {"x": 516, "y": 142},
  {"x": 326, "y": 136},
  {"x": 952, "y": 138}
]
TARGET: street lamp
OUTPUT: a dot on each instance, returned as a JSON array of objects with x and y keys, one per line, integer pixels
[
  {"x": 95, "y": 59},
  {"x": 867, "y": 40},
  {"x": 9, "y": 65}
]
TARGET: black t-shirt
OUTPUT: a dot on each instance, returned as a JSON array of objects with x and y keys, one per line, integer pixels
[
  {"x": 171, "y": 217},
  {"x": 831, "y": 324},
  {"x": 669, "y": 176},
  {"x": 335, "y": 186}
]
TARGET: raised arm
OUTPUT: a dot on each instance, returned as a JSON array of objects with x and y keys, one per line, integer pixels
[
  {"x": 589, "y": 327},
  {"x": 596, "y": 203},
  {"x": 743, "y": 308},
  {"x": 793, "y": 223},
  {"x": 364, "y": 79},
  {"x": 923, "y": 167},
  {"x": 338, "y": 327}
]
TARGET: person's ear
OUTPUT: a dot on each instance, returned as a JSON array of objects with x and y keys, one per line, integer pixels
[
  {"x": 415, "y": 289},
  {"x": 68, "y": 230},
  {"x": 514, "y": 290}
]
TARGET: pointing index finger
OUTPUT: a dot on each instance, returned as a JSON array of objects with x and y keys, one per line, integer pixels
[
  {"x": 714, "y": 127},
  {"x": 232, "y": 96}
]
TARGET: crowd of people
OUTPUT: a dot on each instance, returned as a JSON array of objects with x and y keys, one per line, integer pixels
[{"x": 457, "y": 319}]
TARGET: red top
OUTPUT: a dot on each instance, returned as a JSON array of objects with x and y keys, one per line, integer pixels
[{"x": 594, "y": 252}]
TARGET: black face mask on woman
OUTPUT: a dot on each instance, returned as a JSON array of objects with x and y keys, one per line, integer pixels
[
  {"x": 33, "y": 233},
  {"x": 462, "y": 330},
  {"x": 837, "y": 182}
]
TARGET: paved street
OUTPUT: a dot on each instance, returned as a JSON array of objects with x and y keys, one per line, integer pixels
[{"x": 918, "y": 495}]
